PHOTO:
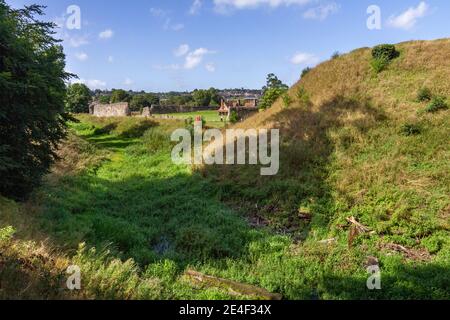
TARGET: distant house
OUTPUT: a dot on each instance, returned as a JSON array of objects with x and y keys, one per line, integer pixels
[
  {"x": 243, "y": 107},
  {"x": 121, "y": 109}
]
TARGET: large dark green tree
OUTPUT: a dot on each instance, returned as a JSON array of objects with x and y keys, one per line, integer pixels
[
  {"x": 78, "y": 98},
  {"x": 32, "y": 94}
]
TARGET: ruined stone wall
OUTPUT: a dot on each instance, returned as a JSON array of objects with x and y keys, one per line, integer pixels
[{"x": 111, "y": 110}]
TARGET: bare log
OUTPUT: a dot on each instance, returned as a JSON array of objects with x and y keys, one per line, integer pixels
[{"x": 233, "y": 287}]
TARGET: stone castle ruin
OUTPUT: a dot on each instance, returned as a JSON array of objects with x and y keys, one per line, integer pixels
[{"x": 121, "y": 109}]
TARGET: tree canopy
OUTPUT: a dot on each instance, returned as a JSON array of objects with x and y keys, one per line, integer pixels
[
  {"x": 140, "y": 101},
  {"x": 32, "y": 96},
  {"x": 273, "y": 89},
  {"x": 206, "y": 98},
  {"x": 119, "y": 95},
  {"x": 78, "y": 98}
]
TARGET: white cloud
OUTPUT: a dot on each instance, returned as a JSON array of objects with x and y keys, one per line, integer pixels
[
  {"x": 194, "y": 58},
  {"x": 110, "y": 59},
  {"x": 195, "y": 7},
  {"x": 408, "y": 19},
  {"x": 75, "y": 41},
  {"x": 176, "y": 27},
  {"x": 81, "y": 56},
  {"x": 92, "y": 83},
  {"x": 304, "y": 58},
  {"x": 210, "y": 67},
  {"x": 107, "y": 34},
  {"x": 181, "y": 50},
  {"x": 225, "y": 5},
  {"x": 167, "y": 67},
  {"x": 128, "y": 82},
  {"x": 321, "y": 12},
  {"x": 156, "y": 12},
  {"x": 165, "y": 16}
]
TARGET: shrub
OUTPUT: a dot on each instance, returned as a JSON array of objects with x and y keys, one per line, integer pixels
[
  {"x": 270, "y": 96},
  {"x": 234, "y": 117},
  {"x": 335, "y": 55},
  {"x": 303, "y": 96},
  {"x": 305, "y": 71},
  {"x": 287, "y": 100},
  {"x": 410, "y": 129},
  {"x": 385, "y": 51},
  {"x": 437, "y": 103},
  {"x": 424, "y": 94},
  {"x": 379, "y": 64}
]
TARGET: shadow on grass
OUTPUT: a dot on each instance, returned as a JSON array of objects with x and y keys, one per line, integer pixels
[
  {"x": 400, "y": 281},
  {"x": 299, "y": 195},
  {"x": 177, "y": 218}
]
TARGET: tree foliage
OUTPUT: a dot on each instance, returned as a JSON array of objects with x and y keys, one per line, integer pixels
[
  {"x": 205, "y": 98},
  {"x": 140, "y": 101},
  {"x": 78, "y": 98},
  {"x": 273, "y": 89},
  {"x": 119, "y": 95},
  {"x": 32, "y": 95}
]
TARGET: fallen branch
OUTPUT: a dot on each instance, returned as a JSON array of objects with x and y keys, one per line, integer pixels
[
  {"x": 414, "y": 254},
  {"x": 356, "y": 229},
  {"x": 235, "y": 288},
  {"x": 361, "y": 228}
]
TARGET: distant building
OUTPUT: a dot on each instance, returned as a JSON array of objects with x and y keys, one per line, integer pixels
[{"x": 243, "y": 107}]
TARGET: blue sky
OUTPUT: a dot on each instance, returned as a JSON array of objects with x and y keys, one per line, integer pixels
[{"x": 157, "y": 45}]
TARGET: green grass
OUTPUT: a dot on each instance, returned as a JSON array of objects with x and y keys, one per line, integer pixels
[
  {"x": 150, "y": 220},
  {"x": 212, "y": 118}
]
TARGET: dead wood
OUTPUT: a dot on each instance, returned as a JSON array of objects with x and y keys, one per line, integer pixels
[{"x": 233, "y": 287}]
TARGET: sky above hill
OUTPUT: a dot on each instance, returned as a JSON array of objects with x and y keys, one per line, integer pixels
[{"x": 178, "y": 45}]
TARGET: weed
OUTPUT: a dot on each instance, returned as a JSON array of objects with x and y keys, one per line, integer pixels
[
  {"x": 424, "y": 94},
  {"x": 437, "y": 103},
  {"x": 410, "y": 129}
]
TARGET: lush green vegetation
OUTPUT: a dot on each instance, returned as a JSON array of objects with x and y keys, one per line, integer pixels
[
  {"x": 382, "y": 56},
  {"x": 272, "y": 91},
  {"x": 32, "y": 93},
  {"x": 131, "y": 202},
  {"x": 78, "y": 97},
  {"x": 211, "y": 117}
]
